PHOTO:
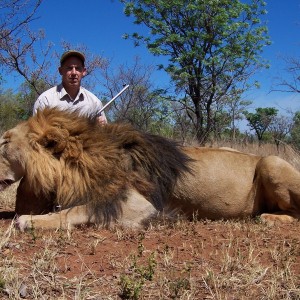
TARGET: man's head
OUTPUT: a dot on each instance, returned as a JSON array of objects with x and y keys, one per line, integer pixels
[{"x": 72, "y": 69}]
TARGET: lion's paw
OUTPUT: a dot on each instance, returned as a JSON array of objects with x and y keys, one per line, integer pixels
[
  {"x": 24, "y": 222},
  {"x": 280, "y": 218}
]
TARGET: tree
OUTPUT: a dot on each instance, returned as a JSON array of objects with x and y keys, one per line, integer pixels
[
  {"x": 141, "y": 104},
  {"x": 16, "y": 37},
  {"x": 279, "y": 128},
  {"x": 8, "y": 110},
  {"x": 220, "y": 124},
  {"x": 291, "y": 82},
  {"x": 261, "y": 120},
  {"x": 236, "y": 106},
  {"x": 295, "y": 131},
  {"x": 212, "y": 46}
]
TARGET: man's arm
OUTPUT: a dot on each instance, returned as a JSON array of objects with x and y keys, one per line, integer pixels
[{"x": 40, "y": 104}]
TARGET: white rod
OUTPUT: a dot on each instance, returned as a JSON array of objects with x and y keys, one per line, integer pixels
[{"x": 114, "y": 98}]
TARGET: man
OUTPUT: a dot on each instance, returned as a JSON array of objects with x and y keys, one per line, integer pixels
[{"x": 70, "y": 94}]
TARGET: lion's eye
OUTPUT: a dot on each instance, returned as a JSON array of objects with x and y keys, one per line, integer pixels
[
  {"x": 3, "y": 142},
  {"x": 3, "y": 147}
]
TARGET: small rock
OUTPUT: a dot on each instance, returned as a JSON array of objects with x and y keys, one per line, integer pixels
[{"x": 23, "y": 291}]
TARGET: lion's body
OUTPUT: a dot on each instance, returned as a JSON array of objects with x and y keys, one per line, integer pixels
[
  {"x": 231, "y": 184},
  {"x": 115, "y": 173}
]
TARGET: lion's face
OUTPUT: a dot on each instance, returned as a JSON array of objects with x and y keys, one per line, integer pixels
[{"x": 13, "y": 149}]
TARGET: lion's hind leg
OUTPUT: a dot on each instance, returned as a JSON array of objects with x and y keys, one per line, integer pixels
[
  {"x": 279, "y": 218},
  {"x": 280, "y": 184}
]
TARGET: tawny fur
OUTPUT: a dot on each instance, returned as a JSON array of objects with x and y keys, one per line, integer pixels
[{"x": 115, "y": 172}]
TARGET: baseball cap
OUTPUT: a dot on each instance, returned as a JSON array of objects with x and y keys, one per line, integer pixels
[{"x": 72, "y": 53}]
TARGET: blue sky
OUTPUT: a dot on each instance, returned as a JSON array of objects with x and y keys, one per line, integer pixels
[{"x": 101, "y": 24}]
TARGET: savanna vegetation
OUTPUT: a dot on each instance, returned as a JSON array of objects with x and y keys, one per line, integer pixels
[{"x": 211, "y": 51}]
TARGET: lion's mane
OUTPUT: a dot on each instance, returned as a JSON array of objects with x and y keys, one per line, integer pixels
[{"x": 75, "y": 161}]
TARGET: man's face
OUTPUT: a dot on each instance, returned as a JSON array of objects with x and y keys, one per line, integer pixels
[{"x": 72, "y": 71}]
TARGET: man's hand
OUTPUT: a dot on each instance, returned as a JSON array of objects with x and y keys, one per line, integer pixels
[{"x": 102, "y": 120}]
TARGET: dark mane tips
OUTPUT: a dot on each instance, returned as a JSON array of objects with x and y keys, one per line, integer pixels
[{"x": 158, "y": 161}]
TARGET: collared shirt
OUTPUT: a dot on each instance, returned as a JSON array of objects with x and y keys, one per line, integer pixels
[{"x": 85, "y": 102}]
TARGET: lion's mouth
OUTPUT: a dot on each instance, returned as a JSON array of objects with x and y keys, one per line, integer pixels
[{"x": 5, "y": 183}]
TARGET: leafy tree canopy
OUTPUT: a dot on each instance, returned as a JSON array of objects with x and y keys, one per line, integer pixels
[
  {"x": 261, "y": 119},
  {"x": 213, "y": 47}
]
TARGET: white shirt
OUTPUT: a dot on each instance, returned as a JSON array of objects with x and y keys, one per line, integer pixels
[{"x": 85, "y": 102}]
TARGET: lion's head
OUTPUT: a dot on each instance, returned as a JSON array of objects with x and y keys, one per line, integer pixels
[{"x": 12, "y": 161}]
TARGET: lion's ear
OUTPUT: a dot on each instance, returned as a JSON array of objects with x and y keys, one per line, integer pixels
[{"x": 54, "y": 139}]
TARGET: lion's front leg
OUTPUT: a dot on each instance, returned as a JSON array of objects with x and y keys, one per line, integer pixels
[
  {"x": 136, "y": 211},
  {"x": 65, "y": 219}
]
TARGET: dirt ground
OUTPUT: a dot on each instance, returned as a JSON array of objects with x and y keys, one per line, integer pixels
[{"x": 169, "y": 260}]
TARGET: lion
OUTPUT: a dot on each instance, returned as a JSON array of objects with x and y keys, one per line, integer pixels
[{"x": 75, "y": 172}]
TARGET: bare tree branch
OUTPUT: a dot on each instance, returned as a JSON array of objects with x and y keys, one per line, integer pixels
[{"x": 292, "y": 84}]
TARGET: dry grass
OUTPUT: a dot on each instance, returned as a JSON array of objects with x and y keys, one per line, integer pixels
[
  {"x": 285, "y": 151},
  {"x": 169, "y": 260}
]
